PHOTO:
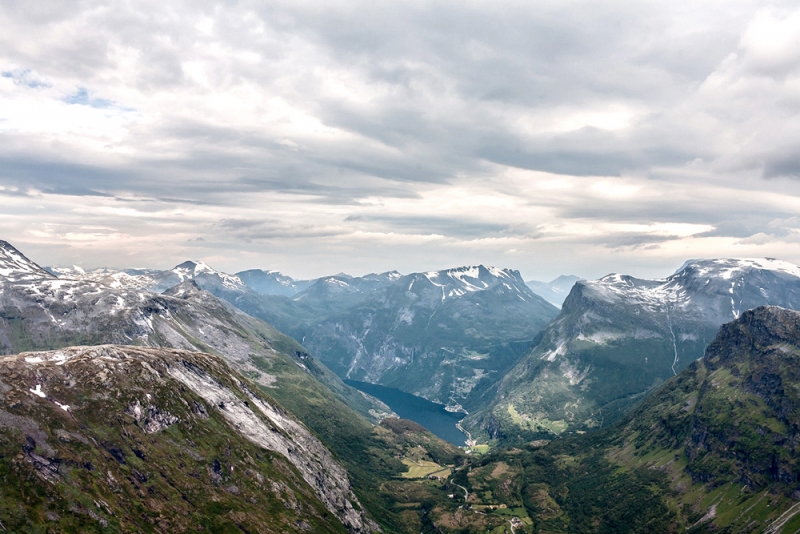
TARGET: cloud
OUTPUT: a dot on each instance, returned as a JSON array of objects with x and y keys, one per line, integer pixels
[{"x": 292, "y": 133}]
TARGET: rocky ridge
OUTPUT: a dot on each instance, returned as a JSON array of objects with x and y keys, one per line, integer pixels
[
  {"x": 89, "y": 395},
  {"x": 388, "y": 328},
  {"x": 619, "y": 336}
]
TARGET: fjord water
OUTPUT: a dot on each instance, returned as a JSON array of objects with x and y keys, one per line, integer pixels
[{"x": 429, "y": 414}]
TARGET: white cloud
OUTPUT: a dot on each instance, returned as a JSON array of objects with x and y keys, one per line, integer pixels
[{"x": 316, "y": 137}]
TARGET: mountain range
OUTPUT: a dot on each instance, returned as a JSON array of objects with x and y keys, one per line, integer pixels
[
  {"x": 39, "y": 312},
  {"x": 618, "y": 337},
  {"x": 160, "y": 401},
  {"x": 714, "y": 449},
  {"x": 447, "y": 336}
]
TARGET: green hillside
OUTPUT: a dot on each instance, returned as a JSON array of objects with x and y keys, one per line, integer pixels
[{"x": 715, "y": 449}]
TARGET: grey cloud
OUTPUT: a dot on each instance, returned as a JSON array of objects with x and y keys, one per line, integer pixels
[
  {"x": 416, "y": 96},
  {"x": 450, "y": 227},
  {"x": 787, "y": 165},
  {"x": 263, "y": 230}
]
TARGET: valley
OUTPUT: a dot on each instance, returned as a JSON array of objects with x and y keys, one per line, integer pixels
[
  {"x": 619, "y": 337},
  {"x": 166, "y": 401},
  {"x": 434, "y": 417}
]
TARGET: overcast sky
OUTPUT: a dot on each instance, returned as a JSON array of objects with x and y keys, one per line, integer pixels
[{"x": 316, "y": 137}]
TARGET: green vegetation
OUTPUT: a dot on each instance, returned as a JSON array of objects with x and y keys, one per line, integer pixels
[
  {"x": 590, "y": 365},
  {"x": 424, "y": 469},
  {"x": 713, "y": 450},
  {"x": 94, "y": 467}
]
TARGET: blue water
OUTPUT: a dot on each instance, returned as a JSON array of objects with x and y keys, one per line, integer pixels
[{"x": 429, "y": 414}]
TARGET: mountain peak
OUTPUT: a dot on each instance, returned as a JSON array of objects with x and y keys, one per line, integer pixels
[
  {"x": 754, "y": 330},
  {"x": 194, "y": 267},
  {"x": 473, "y": 272},
  {"x": 729, "y": 267},
  {"x": 15, "y": 267}
]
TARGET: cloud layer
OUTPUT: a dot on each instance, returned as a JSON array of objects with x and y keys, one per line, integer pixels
[{"x": 316, "y": 137}]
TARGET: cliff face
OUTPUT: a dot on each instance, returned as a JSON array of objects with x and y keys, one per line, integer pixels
[
  {"x": 619, "y": 336},
  {"x": 159, "y": 440},
  {"x": 715, "y": 449},
  {"x": 736, "y": 413}
]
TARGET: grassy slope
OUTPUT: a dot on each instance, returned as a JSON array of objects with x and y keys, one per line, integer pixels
[
  {"x": 372, "y": 455},
  {"x": 94, "y": 469},
  {"x": 714, "y": 449}
]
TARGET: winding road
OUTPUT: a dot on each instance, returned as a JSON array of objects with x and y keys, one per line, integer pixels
[{"x": 466, "y": 492}]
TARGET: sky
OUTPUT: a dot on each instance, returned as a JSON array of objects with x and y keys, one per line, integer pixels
[{"x": 313, "y": 137}]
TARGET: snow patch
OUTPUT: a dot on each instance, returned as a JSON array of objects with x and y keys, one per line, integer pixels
[{"x": 561, "y": 348}]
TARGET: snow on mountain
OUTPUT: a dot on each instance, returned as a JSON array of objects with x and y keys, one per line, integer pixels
[
  {"x": 460, "y": 281},
  {"x": 619, "y": 336},
  {"x": 718, "y": 290},
  {"x": 135, "y": 279},
  {"x": 272, "y": 282},
  {"x": 15, "y": 267},
  {"x": 155, "y": 280},
  {"x": 192, "y": 270},
  {"x": 61, "y": 271}
]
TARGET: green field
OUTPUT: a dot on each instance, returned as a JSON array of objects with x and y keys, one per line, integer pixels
[{"x": 423, "y": 469}]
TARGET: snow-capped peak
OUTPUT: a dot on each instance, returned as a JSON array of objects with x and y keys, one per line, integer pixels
[
  {"x": 723, "y": 281},
  {"x": 15, "y": 267},
  {"x": 191, "y": 269},
  {"x": 459, "y": 281},
  {"x": 727, "y": 268},
  {"x": 66, "y": 272}
]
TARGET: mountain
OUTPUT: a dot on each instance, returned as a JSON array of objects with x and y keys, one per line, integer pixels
[
  {"x": 715, "y": 449},
  {"x": 620, "y": 336},
  {"x": 443, "y": 335},
  {"x": 272, "y": 282},
  {"x": 51, "y": 313},
  {"x": 15, "y": 267},
  {"x": 142, "y": 439},
  {"x": 729, "y": 425},
  {"x": 553, "y": 292},
  {"x": 46, "y": 313}
]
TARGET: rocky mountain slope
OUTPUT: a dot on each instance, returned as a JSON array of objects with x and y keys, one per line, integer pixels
[
  {"x": 445, "y": 335},
  {"x": 45, "y": 312},
  {"x": 15, "y": 267},
  {"x": 48, "y": 312},
  {"x": 154, "y": 440},
  {"x": 715, "y": 449},
  {"x": 556, "y": 291},
  {"x": 619, "y": 336}
]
